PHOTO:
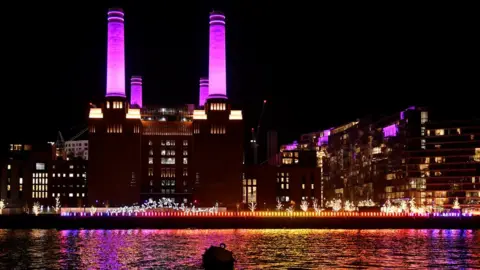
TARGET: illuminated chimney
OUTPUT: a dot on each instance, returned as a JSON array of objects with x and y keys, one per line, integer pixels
[
  {"x": 203, "y": 91},
  {"x": 136, "y": 92},
  {"x": 115, "y": 54},
  {"x": 217, "y": 69}
]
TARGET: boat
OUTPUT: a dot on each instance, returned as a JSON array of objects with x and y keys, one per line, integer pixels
[{"x": 218, "y": 258}]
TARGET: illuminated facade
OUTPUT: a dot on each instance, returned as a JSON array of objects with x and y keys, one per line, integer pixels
[
  {"x": 32, "y": 173},
  {"x": 448, "y": 168},
  {"x": 361, "y": 159},
  {"x": 139, "y": 151},
  {"x": 399, "y": 157},
  {"x": 77, "y": 148}
]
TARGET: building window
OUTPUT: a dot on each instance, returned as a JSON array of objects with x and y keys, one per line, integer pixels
[
  {"x": 185, "y": 142},
  {"x": 476, "y": 157},
  {"x": 149, "y": 142},
  {"x": 196, "y": 128},
  {"x": 108, "y": 104},
  {"x": 40, "y": 166},
  {"x": 150, "y": 160},
  {"x": 9, "y": 167},
  {"x": 133, "y": 183},
  {"x": 185, "y": 152},
  {"x": 136, "y": 129},
  {"x": 168, "y": 142},
  {"x": 117, "y": 104},
  {"x": 439, "y": 132},
  {"x": 249, "y": 190},
  {"x": 115, "y": 128},
  {"x": 217, "y": 129},
  {"x": 185, "y": 161},
  {"x": 150, "y": 152},
  {"x": 185, "y": 172},
  {"x": 150, "y": 171},
  {"x": 217, "y": 106},
  {"x": 169, "y": 161},
  {"x": 423, "y": 117},
  {"x": 39, "y": 185},
  {"x": 92, "y": 129}
]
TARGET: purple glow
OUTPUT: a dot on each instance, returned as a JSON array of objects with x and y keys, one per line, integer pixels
[
  {"x": 115, "y": 54},
  {"x": 402, "y": 113},
  {"x": 291, "y": 146},
  {"x": 136, "y": 91},
  {"x": 217, "y": 69},
  {"x": 203, "y": 91},
  {"x": 324, "y": 139},
  {"x": 390, "y": 131}
]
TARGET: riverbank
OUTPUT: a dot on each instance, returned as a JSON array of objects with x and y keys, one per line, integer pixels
[{"x": 59, "y": 222}]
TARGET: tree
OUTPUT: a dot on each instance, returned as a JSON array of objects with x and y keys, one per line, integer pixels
[
  {"x": 304, "y": 206},
  {"x": 93, "y": 210},
  {"x": 252, "y": 206},
  {"x": 2, "y": 205},
  {"x": 456, "y": 204},
  {"x": 36, "y": 208},
  {"x": 279, "y": 205},
  {"x": 316, "y": 206},
  {"x": 57, "y": 206},
  {"x": 337, "y": 205}
]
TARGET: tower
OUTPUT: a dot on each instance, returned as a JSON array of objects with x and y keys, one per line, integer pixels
[
  {"x": 217, "y": 64},
  {"x": 136, "y": 92},
  {"x": 203, "y": 91},
  {"x": 218, "y": 132},
  {"x": 114, "y": 131}
]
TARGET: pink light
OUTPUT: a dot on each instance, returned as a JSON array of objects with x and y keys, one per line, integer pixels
[
  {"x": 203, "y": 91},
  {"x": 116, "y": 54},
  {"x": 217, "y": 63},
  {"x": 390, "y": 131},
  {"x": 136, "y": 91},
  {"x": 292, "y": 146}
]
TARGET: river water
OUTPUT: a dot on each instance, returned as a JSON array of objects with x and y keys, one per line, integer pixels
[{"x": 253, "y": 249}]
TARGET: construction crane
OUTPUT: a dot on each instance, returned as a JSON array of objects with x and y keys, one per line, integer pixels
[
  {"x": 255, "y": 134},
  {"x": 60, "y": 144}
]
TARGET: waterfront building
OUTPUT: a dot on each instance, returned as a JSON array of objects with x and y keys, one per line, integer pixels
[
  {"x": 191, "y": 154},
  {"x": 448, "y": 168},
  {"x": 33, "y": 173}
]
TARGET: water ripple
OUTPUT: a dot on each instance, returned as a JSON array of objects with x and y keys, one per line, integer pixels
[{"x": 253, "y": 249}]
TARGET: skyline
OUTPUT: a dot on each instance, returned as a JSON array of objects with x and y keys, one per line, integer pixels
[{"x": 255, "y": 69}]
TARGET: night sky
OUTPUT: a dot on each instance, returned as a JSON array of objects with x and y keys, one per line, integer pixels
[{"x": 318, "y": 66}]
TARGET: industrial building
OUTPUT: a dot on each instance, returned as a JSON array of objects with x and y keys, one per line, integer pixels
[{"x": 191, "y": 154}]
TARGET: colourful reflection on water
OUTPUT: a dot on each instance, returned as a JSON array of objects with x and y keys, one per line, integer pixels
[{"x": 253, "y": 249}]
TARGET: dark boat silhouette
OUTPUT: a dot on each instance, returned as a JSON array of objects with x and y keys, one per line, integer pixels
[{"x": 218, "y": 258}]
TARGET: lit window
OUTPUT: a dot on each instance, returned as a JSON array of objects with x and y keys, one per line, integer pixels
[
  {"x": 40, "y": 166},
  {"x": 185, "y": 142},
  {"x": 20, "y": 181},
  {"x": 150, "y": 171},
  {"x": 70, "y": 175},
  {"x": 70, "y": 195},
  {"x": 168, "y": 161},
  {"x": 312, "y": 186},
  {"x": 150, "y": 160},
  {"x": 250, "y": 191},
  {"x": 9, "y": 167},
  {"x": 185, "y": 160}
]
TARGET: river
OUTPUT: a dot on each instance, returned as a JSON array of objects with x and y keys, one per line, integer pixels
[{"x": 253, "y": 249}]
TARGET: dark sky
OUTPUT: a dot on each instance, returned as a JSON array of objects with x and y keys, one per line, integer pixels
[{"x": 319, "y": 66}]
